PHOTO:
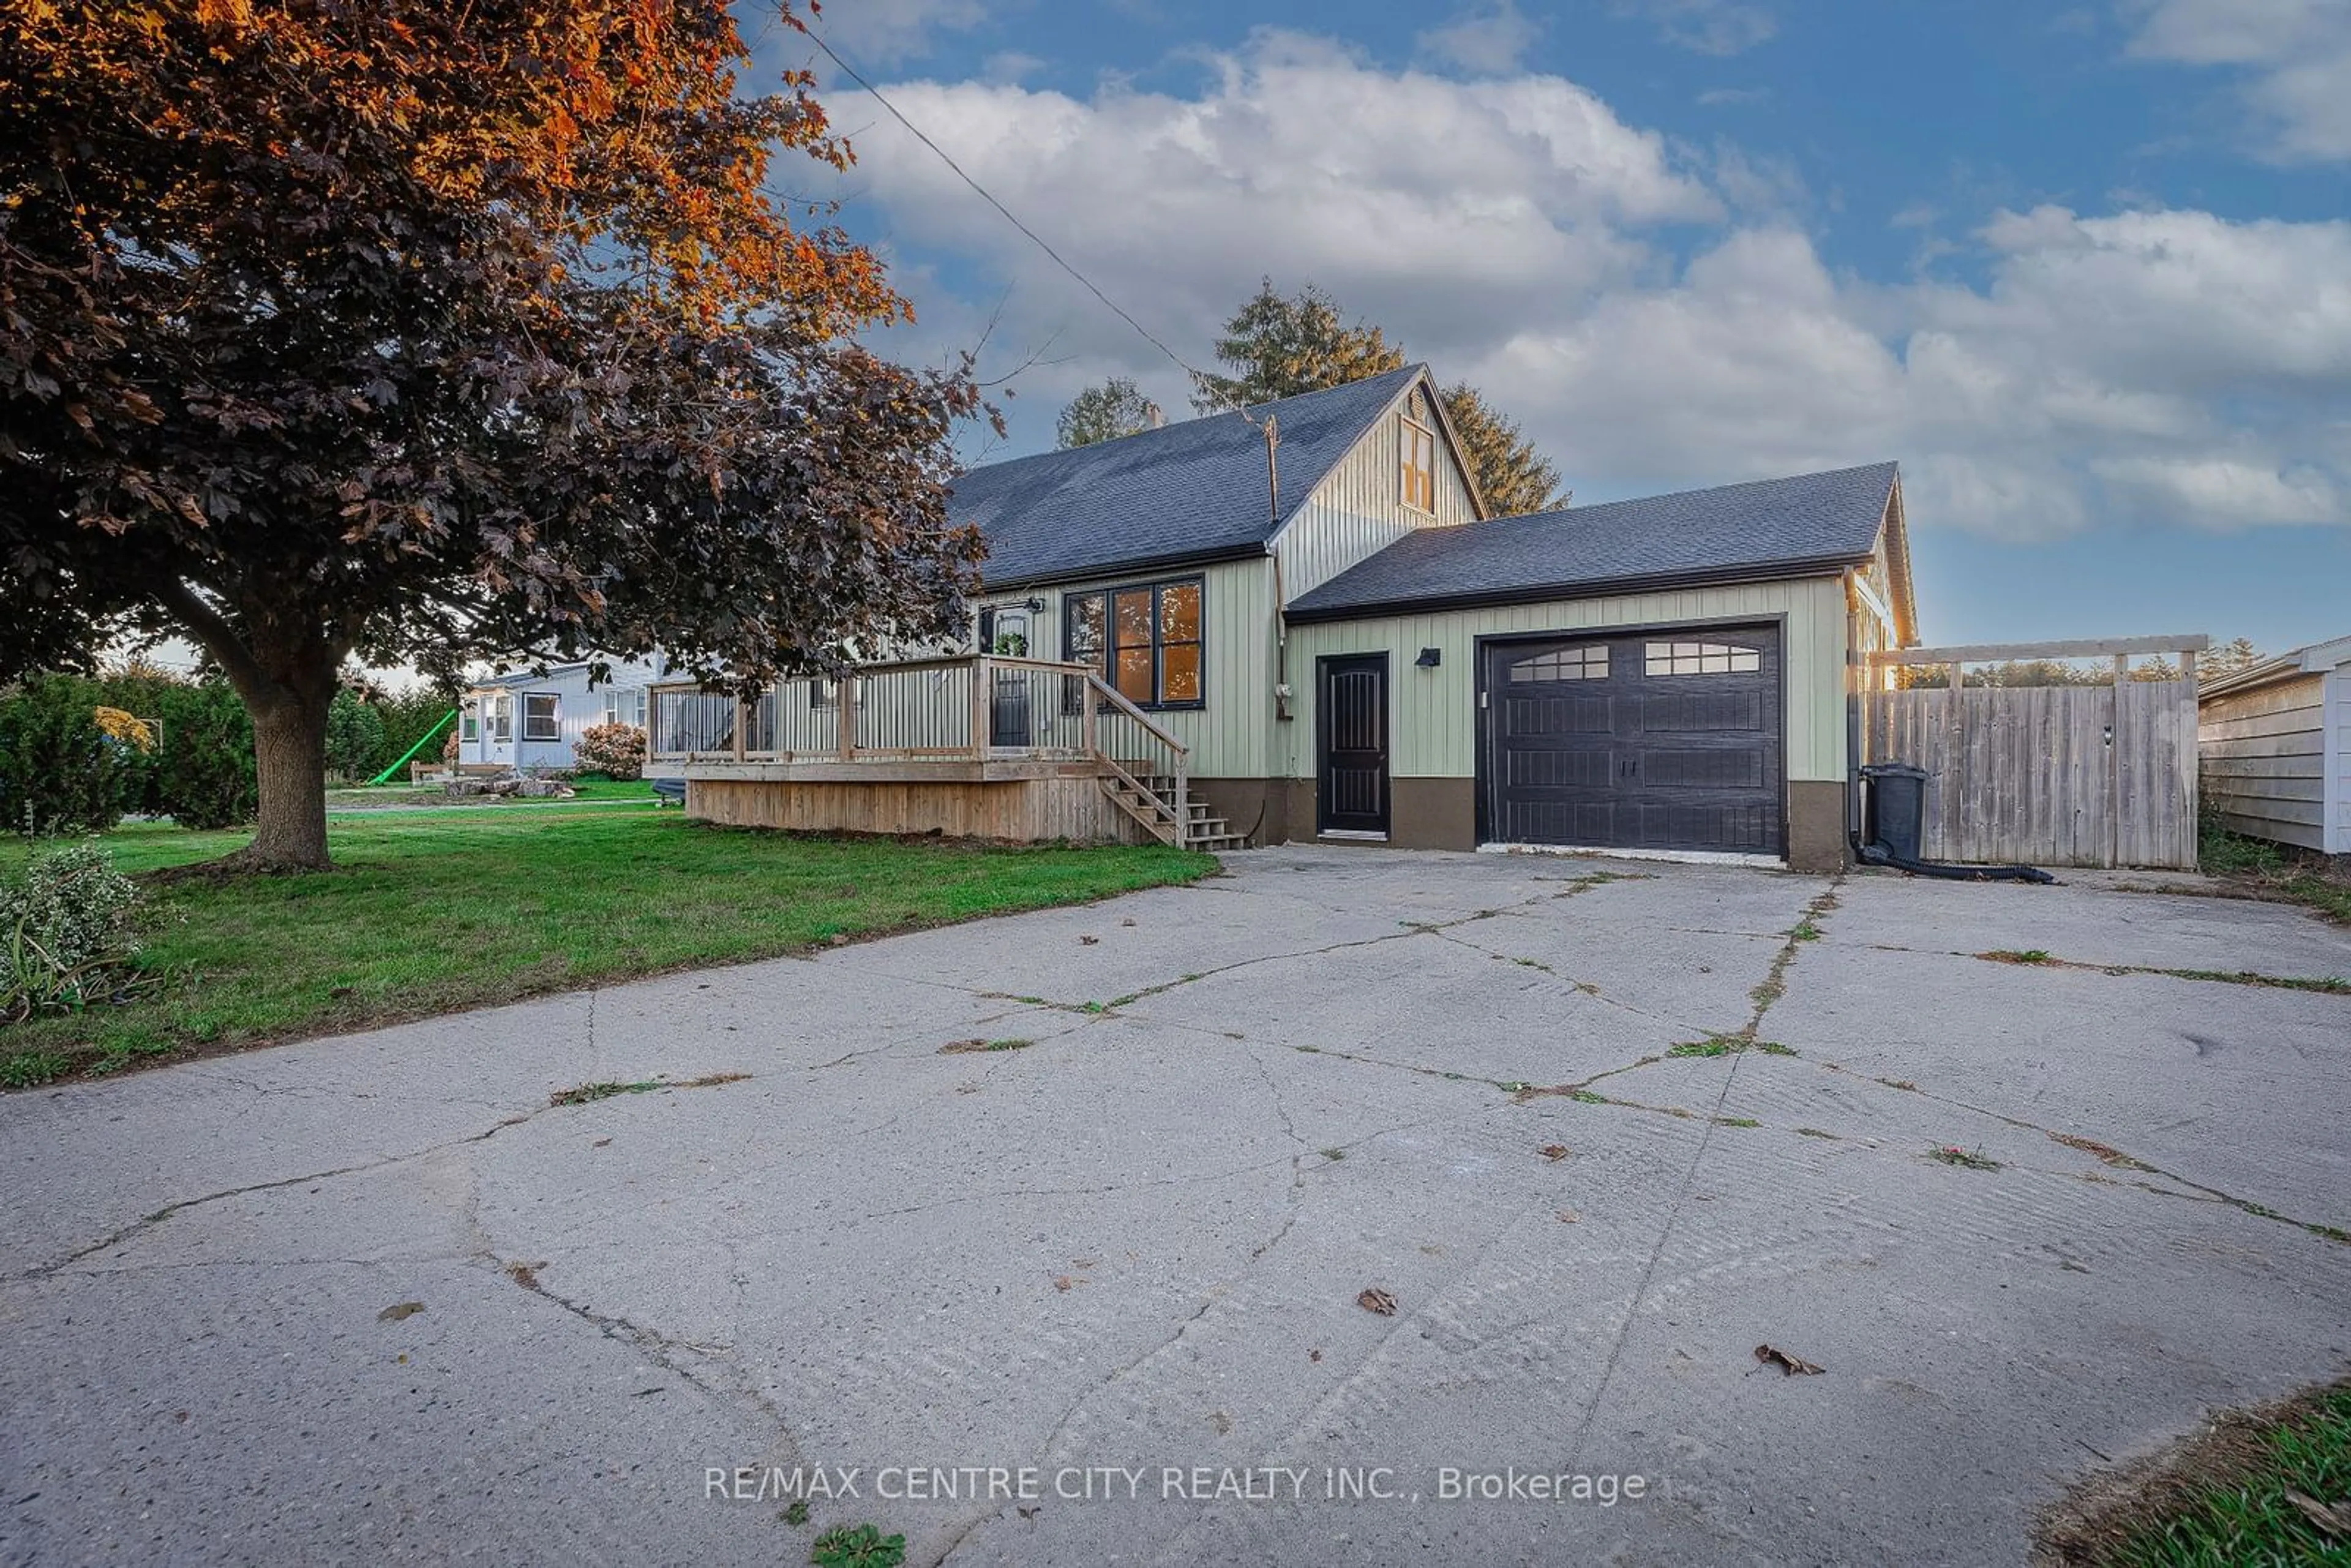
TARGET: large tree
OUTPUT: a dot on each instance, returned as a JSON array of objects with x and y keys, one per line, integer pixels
[
  {"x": 1115, "y": 408},
  {"x": 421, "y": 332},
  {"x": 1276, "y": 347},
  {"x": 1511, "y": 475}
]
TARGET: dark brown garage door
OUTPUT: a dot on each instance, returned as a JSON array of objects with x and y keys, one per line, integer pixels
[{"x": 1664, "y": 741}]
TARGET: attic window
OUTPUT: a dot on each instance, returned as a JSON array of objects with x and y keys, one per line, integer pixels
[
  {"x": 1420, "y": 447},
  {"x": 1702, "y": 659}
]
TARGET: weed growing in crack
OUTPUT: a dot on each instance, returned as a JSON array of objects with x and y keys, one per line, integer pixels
[
  {"x": 1737, "y": 1121},
  {"x": 1773, "y": 1048},
  {"x": 1335, "y": 1155},
  {"x": 1902, "y": 1083},
  {"x": 962, "y": 1047},
  {"x": 2015, "y": 956},
  {"x": 588, "y": 1093},
  {"x": 857, "y": 1546},
  {"x": 1967, "y": 1159},
  {"x": 796, "y": 1514},
  {"x": 1714, "y": 1045},
  {"x": 1804, "y": 931}
]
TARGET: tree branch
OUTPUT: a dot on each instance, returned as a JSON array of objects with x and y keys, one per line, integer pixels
[{"x": 213, "y": 630}]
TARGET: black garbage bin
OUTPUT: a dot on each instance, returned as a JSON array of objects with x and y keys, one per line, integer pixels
[{"x": 1894, "y": 809}]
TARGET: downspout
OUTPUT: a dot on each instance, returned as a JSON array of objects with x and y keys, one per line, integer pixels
[
  {"x": 1855, "y": 699},
  {"x": 1281, "y": 600}
]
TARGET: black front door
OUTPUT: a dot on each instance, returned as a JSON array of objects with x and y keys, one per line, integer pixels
[
  {"x": 1352, "y": 722},
  {"x": 1668, "y": 740}
]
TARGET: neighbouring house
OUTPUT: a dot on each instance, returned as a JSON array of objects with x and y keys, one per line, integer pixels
[
  {"x": 1300, "y": 623},
  {"x": 529, "y": 720},
  {"x": 2274, "y": 747}
]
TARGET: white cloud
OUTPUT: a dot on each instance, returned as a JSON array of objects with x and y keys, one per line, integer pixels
[
  {"x": 1490, "y": 41},
  {"x": 2293, "y": 58},
  {"x": 886, "y": 32},
  {"x": 2165, "y": 366},
  {"x": 1709, "y": 26}
]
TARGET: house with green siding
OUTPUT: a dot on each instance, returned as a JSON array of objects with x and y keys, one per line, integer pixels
[{"x": 1297, "y": 623}]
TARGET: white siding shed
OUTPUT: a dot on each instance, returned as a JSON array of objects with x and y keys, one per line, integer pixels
[{"x": 2274, "y": 746}]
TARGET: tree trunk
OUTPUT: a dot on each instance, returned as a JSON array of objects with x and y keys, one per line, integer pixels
[
  {"x": 276, "y": 649},
  {"x": 289, "y": 749}
]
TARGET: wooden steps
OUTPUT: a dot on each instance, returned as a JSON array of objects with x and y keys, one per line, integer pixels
[{"x": 1154, "y": 806}]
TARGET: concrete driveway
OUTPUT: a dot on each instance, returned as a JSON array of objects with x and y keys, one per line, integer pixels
[{"x": 1125, "y": 1258}]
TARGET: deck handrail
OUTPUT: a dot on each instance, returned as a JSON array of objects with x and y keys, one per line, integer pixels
[
  {"x": 1120, "y": 700},
  {"x": 1134, "y": 758}
]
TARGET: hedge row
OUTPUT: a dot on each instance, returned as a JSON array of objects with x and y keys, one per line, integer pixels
[{"x": 62, "y": 772}]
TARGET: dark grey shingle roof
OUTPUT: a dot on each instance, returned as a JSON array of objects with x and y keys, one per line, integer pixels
[
  {"x": 1192, "y": 490},
  {"x": 1697, "y": 535}
]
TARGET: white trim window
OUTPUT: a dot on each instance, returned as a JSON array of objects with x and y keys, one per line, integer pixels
[
  {"x": 499, "y": 713},
  {"x": 541, "y": 717},
  {"x": 469, "y": 724}
]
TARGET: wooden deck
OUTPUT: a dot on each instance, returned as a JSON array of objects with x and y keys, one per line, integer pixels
[{"x": 975, "y": 746}]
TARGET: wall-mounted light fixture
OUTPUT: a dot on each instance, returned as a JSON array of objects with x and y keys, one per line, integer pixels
[
  {"x": 1428, "y": 658},
  {"x": 1034, "y": 605}
]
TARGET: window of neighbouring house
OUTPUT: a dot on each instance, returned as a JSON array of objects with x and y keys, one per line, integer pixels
[
  {"x": 498, "y": 715},
  {"x": 1420, "y": 447},
  {"x": 1145, "y": 641},
  {"x": 469, "y": 723},
  {"x": 1702, "y": 659},
  {"x": 538, "y": 717}
]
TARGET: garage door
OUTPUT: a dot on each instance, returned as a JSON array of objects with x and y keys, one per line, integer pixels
[{"x": 1655, "y": 741}]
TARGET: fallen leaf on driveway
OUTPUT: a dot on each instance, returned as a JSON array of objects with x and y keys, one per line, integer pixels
[
  {"x": 1789, "y": 1366},
  {"x": 2334, "y": 1520},
  {"x": 1568, "y": 1216},
  {"x": 399, "y": 1309},
  {"x": 1554, "y": 1152},
  {"x": 1313, "y": 1356},
  {"x": 1088, "y": 941},
  {"x": 1128, "y": 920},
  {"x": 961, "y": 1047},
  {"x": 1377, "y": 1300}
]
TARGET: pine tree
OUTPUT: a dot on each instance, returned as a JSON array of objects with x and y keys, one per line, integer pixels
[
  {"x": 1279, "y": 347},
  {"x": 1513, "y": 477},
  {"x": 1107, "y": 411}
]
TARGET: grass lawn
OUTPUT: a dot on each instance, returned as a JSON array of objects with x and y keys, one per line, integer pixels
[
  {"x": 397, "y": 797},
  {"x": 430, "y": 912},
  {"x": 2305, "y": 879},
  {"x": 2275, "y": 1489}
]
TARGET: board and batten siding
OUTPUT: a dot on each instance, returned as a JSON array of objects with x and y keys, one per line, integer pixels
[
  {"x": 1434, "y": 713},
  {"x": 1230, "y": 735},
  {"x": 2264, "y": 757},
  {"x": 1359, "y": 509}
]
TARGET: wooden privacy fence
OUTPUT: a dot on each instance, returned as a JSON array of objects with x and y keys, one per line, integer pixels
[{"x": 2066, "y": 775}]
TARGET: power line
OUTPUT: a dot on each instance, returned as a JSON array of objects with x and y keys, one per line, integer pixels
[{"x": 850, "y": 71}]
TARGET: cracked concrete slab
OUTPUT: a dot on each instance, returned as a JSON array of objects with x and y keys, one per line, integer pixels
[{"x": 1136, "y": 1241}]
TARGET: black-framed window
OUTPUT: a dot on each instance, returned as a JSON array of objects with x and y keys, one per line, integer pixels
[
  {"x": 1146, "y": 641},
  {"x": 540, "y": 720}
]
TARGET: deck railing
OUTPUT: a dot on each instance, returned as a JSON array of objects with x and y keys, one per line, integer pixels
[{"x": 977, "y": 706}]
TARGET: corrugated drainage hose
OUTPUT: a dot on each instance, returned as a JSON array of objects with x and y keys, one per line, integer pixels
[{"x": 1879, "y": 854}]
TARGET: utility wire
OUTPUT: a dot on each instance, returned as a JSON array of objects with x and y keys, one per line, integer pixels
[{"x": 1199, "y": 377}]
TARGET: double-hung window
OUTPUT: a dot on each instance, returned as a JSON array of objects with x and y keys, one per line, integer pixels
[{"x": 1145, "y": 641}]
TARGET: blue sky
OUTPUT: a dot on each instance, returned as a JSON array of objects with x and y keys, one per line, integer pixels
[{"x": 2085, "y": 272}]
